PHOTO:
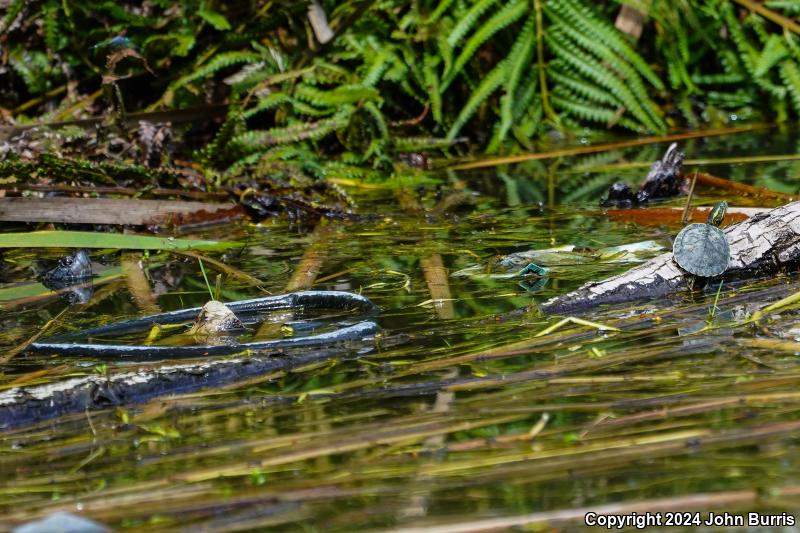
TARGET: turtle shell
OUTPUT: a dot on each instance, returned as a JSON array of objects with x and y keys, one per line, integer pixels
[{"x": 702, "y": 249}]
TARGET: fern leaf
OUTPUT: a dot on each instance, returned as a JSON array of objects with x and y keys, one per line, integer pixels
[
  {"x": 418, "y": 144},
  {"x": 790, "y": 74},
  {"x": 493, "y": 80},
  {"x": 217, "y": 63},
  {"x": 520, "y": 56},
  {"x": 581, "y": 108},
  {"x": 591, "y": 25},
  {"x": 774, "y": 51},
  {"x": 302, "y": 108},
  {"x": 747, "y": 53},
  {"x": 609, "y": 57},
  {"x": 254, "y": 140},
  {"x": 468, "y": 21},
  {"x": 587, "y": 90},
  {"x": 266, "y": 103},
  {"x": 507, "y": 15},
  {"x": 593, "y": 69},
  {"x": 431, "y": 80},
  {"x": 378, "y": 67},
  {"x": 12, "y": 11},
  {"x": 439, "y": 11},
  {"x": 341, "y": 95}
]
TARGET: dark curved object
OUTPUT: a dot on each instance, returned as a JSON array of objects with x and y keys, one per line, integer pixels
[
  {"x": 663, "y": 181},
  {"x": 355, "y": 332},
  {"x": 296, "y": 301}
]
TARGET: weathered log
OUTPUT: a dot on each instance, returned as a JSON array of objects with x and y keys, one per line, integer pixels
[
  {"x": 124, "y": 211},
  {"x": 23, "y": 405},
  {"x": 765, "y": 243}
]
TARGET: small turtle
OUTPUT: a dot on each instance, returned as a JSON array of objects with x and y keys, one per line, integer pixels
[
  {"x": 702, "y": 249},
  {"x": 215, "y": 319},
  {"x": 74, "y": 268}
]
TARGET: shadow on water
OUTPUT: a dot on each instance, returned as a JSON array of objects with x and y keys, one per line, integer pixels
[{"x": 459, "y": 419}]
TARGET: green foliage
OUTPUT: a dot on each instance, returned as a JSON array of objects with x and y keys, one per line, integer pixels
[{"x": 500, "y": 74}]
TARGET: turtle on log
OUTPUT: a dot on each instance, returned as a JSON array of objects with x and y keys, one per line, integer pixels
[{"x": 702, "y": 249}]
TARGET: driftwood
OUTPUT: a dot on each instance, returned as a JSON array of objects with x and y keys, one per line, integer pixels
[
  {"x": 114, "y": 211},
  {"x": 23, "y": 405},
  {"x": 765, "y": 243}
]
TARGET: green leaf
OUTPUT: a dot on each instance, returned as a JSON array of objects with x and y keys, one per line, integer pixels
[
  {"x": 89, "y": 239},
  {"x": 217, "y": 20},
  {"x": 489, "y": 85}
]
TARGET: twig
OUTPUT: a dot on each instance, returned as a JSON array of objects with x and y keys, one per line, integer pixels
[
  {"x": 540, "y": 64},
  {"x": 580, "y": 150},
  {"x": 777, "y": 18},
  {"x": 689, "y": 196},
  {"x": 575, "y": 320},
  {"x": 50, "y": 323}
]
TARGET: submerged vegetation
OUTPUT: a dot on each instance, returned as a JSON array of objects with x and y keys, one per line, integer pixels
[{"x": 313, "y": 90}]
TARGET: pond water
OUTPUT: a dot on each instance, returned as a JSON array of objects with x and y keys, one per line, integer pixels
[{"x": 456, "y": 418}]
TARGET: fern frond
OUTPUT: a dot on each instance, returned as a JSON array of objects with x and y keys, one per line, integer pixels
[
  {"x": 505, "y": 16},
  {"x": 217, "y": 63},
  {"x": 439, "y": 11},
  {"x": 254, "y": 140},
  {"x": 13, "y": 10},
  {"x": 790, "y": 74},
  {"x": 774, "y": 51},
  {"x": 308, "y": 110},
  {"x": 590, "y": 111},
  {"x": 609, "y": 57},
  {"x": 418, "y": 144},
  {"x": 378, "y": 67},
  {"x": 586, "y": 22},
  {"x": 520, "y": 56},
  {"x": 731, "y": 78},
  {"x": 432, "y": 86},
  {"x": 265, "y": 103},
  {"x": 747, "y": 52},
  {"x": 466, "y": 22},
  {"x": 341, "y": 95},
  {"x": 587, "y": 90},
  {"x": 490, "y": 83},
  {"x": 587, "y": 65}
]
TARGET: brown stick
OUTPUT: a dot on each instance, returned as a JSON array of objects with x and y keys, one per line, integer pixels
[
  {"x": 580, "y": 150},
  {"x": 436, "y": 278},
  {"x": 710, "y": 180},
  {"x": 777, "y": 18},
  {"x": 138, "y": 285}
]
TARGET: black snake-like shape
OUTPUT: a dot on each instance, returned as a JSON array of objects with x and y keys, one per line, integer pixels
[{"x": 338, "y": 300}]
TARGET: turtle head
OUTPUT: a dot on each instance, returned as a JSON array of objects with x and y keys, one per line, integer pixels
[{"x": 717, "y": 213}]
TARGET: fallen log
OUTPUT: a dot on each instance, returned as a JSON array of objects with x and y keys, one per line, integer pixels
[
  {"x": 125, "y": 211},
  {"x": 765, "y": 242},
  {"x": 24, "y": 405}
]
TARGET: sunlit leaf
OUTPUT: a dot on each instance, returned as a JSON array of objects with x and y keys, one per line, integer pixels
[
  {"x": 88, "y": 239},
  {"x": 217, "y": 20}
]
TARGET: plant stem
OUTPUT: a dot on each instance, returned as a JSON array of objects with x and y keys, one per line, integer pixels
[{"x": 540, "y": 64}]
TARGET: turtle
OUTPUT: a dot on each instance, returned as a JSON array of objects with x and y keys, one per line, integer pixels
[
  {"x": 215, "y": 318},
  {"x": 702, "y": 249}
]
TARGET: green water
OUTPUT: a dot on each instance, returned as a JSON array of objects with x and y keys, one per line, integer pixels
[{"x": 456, "y": 414}]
